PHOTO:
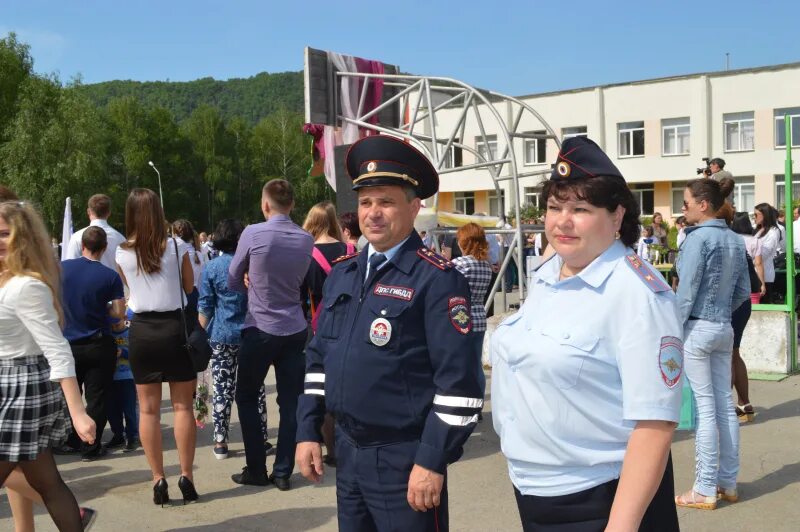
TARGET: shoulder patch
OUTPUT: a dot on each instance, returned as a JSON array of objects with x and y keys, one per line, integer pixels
[
  {"x": 434, "y": 258},
  {"x": 653, "y": 279},
  {"x": 344, "y": 258}
]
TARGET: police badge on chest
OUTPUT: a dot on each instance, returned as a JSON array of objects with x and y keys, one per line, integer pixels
[{"x": 380, "y": 332}]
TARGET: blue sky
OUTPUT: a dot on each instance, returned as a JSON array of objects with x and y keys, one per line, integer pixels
[{"x": 513, "y": 46}]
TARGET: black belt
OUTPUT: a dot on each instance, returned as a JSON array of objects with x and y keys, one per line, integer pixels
[
  {"x": 89, "y": 339},
  {"x": 692, "y": 318},
  {"x": 376, "y": 437}
]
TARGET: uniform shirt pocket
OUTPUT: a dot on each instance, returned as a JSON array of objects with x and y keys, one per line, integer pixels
[
  {"x": 333, "y": 317},
  {"x": 385, "y": 320},
  {"x": 563, "y": 355}
]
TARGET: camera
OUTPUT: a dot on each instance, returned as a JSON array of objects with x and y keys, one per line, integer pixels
[{"x": 707, "y": 170}]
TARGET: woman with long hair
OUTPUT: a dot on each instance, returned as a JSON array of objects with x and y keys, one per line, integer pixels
[
  {"x": 714, "y": 281},
  {"x": 184, "y": 231},
  {"x": 322, "y": 223},
  {"x": 34, "y": 356},
  {"x": 158, "y": 274},
  {"x": 222, "y": 313},
  {"x": 769, "y": 234}
]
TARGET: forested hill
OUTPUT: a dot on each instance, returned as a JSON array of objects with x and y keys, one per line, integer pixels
[{"x": 250, "y": 98}]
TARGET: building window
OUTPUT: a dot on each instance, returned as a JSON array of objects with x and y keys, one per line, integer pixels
[
  {"x": 569, "y": 132},
  {"x": 535, "y": 149},
  {"x": 675, "y": 136},
  {"x": 677, "y": 197},
  {"x": 780, "y": 127},
  {"x": 533, "y": 197},
  {"x": 465, "y": 202},
  {"x": 644, "y": 197},
  {"x": 454, "y": 158},
  {"x": 497, "y": 203},
  {"x": 488, "y": 149},
  {"x": 631, "y": 139},
  {"x": 780, "y": 195},
  {"x": 744, "y": 194},
  {"x": 739, "y": 131}
]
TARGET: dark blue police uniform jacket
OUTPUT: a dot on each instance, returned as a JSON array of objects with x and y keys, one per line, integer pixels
[{"x": 425, "y": 383}]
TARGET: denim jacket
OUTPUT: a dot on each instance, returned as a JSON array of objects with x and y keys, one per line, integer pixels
[
  {"x": 712, "y": 269},
  {"x": 225, "y": 308}
]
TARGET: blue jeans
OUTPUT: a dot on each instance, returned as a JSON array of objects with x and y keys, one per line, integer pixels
[
  {"x": 122, "y": 404},
  {"x": 707, "y": 362},
  {"x": 258, "y": 351}
]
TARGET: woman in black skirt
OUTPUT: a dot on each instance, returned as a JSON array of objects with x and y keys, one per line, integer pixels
[
  {"x": 34, "y": 356},
  {"x": 158, "y": 274}
]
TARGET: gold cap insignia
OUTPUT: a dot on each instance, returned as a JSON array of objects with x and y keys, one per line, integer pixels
[
  {"x": 563, "y": 169},
  {"x": 372, "y": 166}
]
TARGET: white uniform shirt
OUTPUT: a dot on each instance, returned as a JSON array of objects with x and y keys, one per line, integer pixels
[
  {"x": 115, "y": 238},
  {"x": 578, "y": 366},
  {"x": 770, "y": 244},
  {"x": 153, "y": 292},
  {"x": 197, "y": 268},
  {"x": 29, "y": 326}
]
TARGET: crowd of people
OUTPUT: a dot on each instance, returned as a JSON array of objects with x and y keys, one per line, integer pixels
[{"x": 376, "y": 345}]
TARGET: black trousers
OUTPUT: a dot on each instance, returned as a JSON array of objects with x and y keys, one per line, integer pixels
[
  {"x": 95, "y": 363},
  {"x": 258, "y": 351},
  {"x": 588, "y": 511}
]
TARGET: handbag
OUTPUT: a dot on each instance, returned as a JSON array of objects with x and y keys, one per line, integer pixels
[{"x": 197, "y": 345}]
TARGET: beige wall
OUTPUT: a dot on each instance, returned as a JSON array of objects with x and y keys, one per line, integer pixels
[{"x": 662, "y": 200}]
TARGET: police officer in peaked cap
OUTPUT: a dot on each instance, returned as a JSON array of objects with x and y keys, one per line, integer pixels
[
  {"x": 393, "y": 359},
  {"x": 586, "y": 377}
]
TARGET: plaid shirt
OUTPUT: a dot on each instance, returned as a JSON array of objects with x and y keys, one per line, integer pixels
[{"x": 479, "y": 275}]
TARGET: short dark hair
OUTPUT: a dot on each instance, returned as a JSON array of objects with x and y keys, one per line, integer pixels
[
  {"x": 100, "y": 205},
  {"x": 608, "y": 192},
  {"x": 349, "y": 221},
  {"x": 279, "y": 193},
  {"x": 94, "y": 239},
  {"x": 719, "y": 162},
  {"x": 226, "y": 235},
  {"x": 741, "y": 224}
]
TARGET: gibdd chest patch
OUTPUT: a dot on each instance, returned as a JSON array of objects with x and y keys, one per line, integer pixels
[
  {"x": 459, "y": 314},
  {"x": 670, "y": 360},
  {"x": 397, "y": 292}
]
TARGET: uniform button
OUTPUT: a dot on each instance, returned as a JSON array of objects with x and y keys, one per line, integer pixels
[
  {"x": 383, "y": 312},
  {"x": 565, "y": 336}
]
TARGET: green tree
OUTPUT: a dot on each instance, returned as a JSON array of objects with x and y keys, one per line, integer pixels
[{"x": 16, "y": 66}]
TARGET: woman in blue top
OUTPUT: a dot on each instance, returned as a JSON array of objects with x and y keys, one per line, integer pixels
[
  {"x": 222, "y": 313},
  {"x": 586, "y": 376},
  {"x": 714, "y": 280}
]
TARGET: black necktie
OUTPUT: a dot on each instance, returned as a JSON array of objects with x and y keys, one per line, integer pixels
[{"x": 374, "y": 261}]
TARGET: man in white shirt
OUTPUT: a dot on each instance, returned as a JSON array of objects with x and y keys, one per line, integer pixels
[
  {"x": 796, "y": 228},
  {"x": 99, "y": 209}
]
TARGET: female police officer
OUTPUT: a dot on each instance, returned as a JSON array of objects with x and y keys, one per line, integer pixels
[{"x": 585, "y": 380}]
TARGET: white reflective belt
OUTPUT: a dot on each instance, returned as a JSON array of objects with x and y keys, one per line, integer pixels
[
  {"x": 457, "y": 421},
  {"x": 461, "y": 402},
  {"x": 315, "y": 377},
  {"x": 315, "y": 392}
]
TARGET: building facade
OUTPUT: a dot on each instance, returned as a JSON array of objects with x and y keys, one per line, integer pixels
[{"x": 656, "y": 132}]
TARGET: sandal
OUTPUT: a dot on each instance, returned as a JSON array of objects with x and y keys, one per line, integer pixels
[
  {"x": 745, "y": 413},
  {"x": 728, "y": 495},
  {"x": 692, "y": 499}
]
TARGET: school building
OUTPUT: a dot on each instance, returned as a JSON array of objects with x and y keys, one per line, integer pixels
[{"x": 656, "y": 131}]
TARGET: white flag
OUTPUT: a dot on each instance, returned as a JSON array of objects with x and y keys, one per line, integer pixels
[{"x": 66, "y": 231}]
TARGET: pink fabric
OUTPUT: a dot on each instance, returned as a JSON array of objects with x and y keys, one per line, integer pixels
[
  {"x": 755, "y": 298},
  {"x": 317, "y": 255},
  {"x": 374, "y": 91},
  {"x": 350, "y": 248}
]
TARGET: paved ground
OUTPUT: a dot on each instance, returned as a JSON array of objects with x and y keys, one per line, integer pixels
[{"x": 119, "y": 486}]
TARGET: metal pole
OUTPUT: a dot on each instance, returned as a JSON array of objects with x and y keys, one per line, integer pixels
[
  {"x": 790, "y": 281},
  {"x": 160, "y": 194}
]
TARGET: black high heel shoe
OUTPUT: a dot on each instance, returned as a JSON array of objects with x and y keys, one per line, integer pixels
[
  {"x": 160, "y": 493},
  {"x": 187, "y": 490}
]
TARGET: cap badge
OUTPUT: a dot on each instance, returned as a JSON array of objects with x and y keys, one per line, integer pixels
[
  {"x": 372, "y": 166},
  {"x": 380, "y": 332},
  {"x": 563, "y": 169}
]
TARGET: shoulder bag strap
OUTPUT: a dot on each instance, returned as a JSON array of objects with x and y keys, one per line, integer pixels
[{"x": 180, "y": 290}]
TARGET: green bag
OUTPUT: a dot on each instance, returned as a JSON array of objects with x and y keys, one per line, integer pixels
[{"x": 688, "y": 408}]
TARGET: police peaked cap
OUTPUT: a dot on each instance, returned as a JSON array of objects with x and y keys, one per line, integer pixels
[
  {"x": 581, "y": 158},
  {"x": 380, "y": 160}
]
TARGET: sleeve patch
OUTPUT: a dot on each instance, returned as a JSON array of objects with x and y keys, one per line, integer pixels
[
  {"x": 344, "y": 258},
  {"x": 434, "y": 258},
  {"x": 670, "y": 360},
  {"x": 458, "y": 310},
  {"x": 653, "y": 279}
]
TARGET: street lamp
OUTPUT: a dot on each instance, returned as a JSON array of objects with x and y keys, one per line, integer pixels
[{"x": 160, "y": 194}]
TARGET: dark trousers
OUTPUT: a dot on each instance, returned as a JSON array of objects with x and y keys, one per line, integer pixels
[
  {"x": 372, "y": 488},
  {"x": 511, "y": 271},
  {"x": 588, "y": 511},
  {"x": 259, "y": 350},
  {"x": 121, "y": 405},
  {"x": 95, "y": 363}
]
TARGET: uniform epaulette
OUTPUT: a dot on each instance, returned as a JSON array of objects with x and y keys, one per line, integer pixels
[
  {"x": 344, "y": 258},
  {"x": 434, "y": 258},
  {"x": 654, "y": 280}
]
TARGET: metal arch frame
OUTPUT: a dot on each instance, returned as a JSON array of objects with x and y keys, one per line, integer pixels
[{"x": 417, "y": 89}]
